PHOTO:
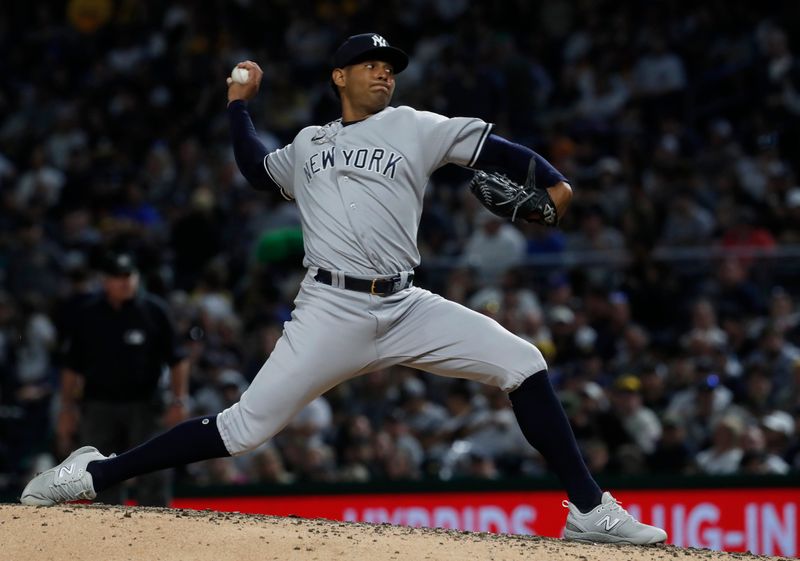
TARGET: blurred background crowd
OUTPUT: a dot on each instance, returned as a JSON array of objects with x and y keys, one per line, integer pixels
[{"x": 666, "y": 304}]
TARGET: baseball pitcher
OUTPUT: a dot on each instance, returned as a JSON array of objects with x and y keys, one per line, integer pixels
[{"x": 358, "y": 183}]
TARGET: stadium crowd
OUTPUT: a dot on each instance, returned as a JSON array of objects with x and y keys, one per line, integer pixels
[{"x": 669, "y": 319}]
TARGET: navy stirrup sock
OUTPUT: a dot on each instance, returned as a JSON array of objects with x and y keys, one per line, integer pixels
[
  {"x": 545, "y": 426},
  {"x": 190, "y": 441}
]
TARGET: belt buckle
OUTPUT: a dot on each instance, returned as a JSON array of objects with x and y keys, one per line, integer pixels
[{"x": 372, "y": 289}]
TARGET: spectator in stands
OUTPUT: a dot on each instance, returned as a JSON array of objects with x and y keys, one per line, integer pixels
[
  {"x": 724, "y": 455},
  {"x": 687, "y": 223},
  {"x": 655, "y": 395},
  {"x": 317, "y": 462},
  {"x": 779, "y": 432},
  {"x": 33, "y": 266},
  {"x": 41, "y": 184},
  {"x": 699, "y": 407},
  {"x": 776, "y": 354},
  {"x": 423, "y": 416},
  {"x": 463, "y": 418},
  {"x": 405, "y": 443},
  {"x": 705, "y": 335},
  {"x": 756, "y": 460},
  {"x": 598, "y": 458},
  {"x": 355, "y": 450},
  {"x": 594, "y": 233},
  {"x": 633, "y": 352},
  {"x": 218, "y": 471},
  {"x": 659, "y": 74},
  {"x": 758, "y": 394},
  {"x": 32, "y": 376},
  {"x": 783, "y": 313},
  {"x": 400, "y": 465},
  {"x": 640, "y": 423},
  {"x": 494, "y": 247},
  {"x": 672, "y": 453},
  {"x": 494, "y": 434},
  {"x": 266, "y": 466},
  {"x": 196, "y": 237},
  {"x": 788, "y": 398},
  {"x": 733, "y": 290}
]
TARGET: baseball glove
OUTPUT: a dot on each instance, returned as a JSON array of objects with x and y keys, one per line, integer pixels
[{"x": 508, "y": 199}]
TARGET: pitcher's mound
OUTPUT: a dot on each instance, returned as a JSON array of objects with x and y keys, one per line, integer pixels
[{"x": 111, "y": 533}]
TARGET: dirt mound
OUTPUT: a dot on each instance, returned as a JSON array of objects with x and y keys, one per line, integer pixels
[{"x": 111, "y": 533}]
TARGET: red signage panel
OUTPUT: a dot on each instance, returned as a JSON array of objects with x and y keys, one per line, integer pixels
[{"x": 763, "y": 521}]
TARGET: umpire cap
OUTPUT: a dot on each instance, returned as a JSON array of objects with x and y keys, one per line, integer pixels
[
  {"x": 369, "y": 46},
  {"x": 119, "y": 264}
]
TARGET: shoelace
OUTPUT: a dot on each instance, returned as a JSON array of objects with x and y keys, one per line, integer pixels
[
  {"x": 71, "y": 490},
  {"x": 616, "y": 506}
]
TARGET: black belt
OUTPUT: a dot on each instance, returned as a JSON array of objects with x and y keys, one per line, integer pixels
[{"x": 378, "y": 287}]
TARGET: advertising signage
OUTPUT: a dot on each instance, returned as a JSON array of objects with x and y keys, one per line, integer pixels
[{"x": 762, "y": 521}]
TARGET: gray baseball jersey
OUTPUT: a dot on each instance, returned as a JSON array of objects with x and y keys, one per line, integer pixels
[{"x": 359, "y": 190}]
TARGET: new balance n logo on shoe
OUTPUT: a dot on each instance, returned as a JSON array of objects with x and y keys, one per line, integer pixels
[
  {"x": 607, "y": 522},
  {"x": 66, "y": 470}
]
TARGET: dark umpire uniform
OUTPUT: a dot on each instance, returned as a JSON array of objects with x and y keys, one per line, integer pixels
[{"x": 119, "y": 346}]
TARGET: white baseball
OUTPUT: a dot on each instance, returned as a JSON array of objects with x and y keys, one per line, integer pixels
[{"x": 240, "y": 75}]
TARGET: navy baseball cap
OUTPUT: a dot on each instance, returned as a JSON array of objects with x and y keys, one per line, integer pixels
[
  {"x": 119, "y": 264},
  {"x": 369, "y": 46}
]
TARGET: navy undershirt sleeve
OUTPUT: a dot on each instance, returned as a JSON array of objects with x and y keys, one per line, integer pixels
[
  {"x": 514, "y": 159},
  {"x": 247, "y": 148}
]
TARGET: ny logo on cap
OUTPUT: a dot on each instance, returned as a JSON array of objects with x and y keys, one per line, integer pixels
[{"x": 379, "y": 41}]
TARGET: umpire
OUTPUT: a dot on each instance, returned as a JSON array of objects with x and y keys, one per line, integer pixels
[{"x": 118, "y": 347}]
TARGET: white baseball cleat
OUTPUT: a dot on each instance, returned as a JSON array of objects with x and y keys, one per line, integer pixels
[
  {"x": 609, "y": 523},
  {"x": 68, "y": 481}
]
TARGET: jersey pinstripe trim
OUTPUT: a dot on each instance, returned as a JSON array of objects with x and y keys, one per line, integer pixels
[
  {"x": 284, "y": 194},
  {"x": 479, "y": 147}
]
